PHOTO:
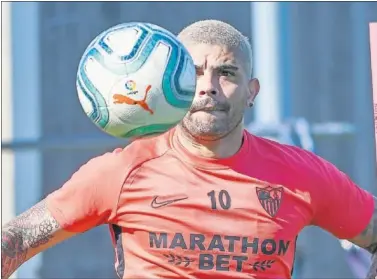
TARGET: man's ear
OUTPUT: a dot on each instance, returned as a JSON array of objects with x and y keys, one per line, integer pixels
[{"x": 254, "y": 88}]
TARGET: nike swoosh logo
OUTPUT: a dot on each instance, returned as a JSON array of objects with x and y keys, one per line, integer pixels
[{"x": 156, "y": 204}]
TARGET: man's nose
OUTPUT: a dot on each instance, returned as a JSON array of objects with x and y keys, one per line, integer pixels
[{"x": 207, "y": 85}]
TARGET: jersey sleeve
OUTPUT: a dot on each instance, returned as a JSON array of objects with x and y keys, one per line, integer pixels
[
  {"x": 340, "y": 206},
  {"x": 89, "y": 198}
]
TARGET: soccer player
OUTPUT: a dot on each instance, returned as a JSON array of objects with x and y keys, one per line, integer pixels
[{"x": 206, "y": 199}]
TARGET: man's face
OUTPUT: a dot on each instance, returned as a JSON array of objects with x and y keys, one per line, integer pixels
[{"x": 223, "y": 92}]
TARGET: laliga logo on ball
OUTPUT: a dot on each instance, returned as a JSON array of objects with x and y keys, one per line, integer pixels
[{"x": 130, "y": 85}]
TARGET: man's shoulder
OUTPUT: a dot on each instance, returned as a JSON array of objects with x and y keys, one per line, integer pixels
[
  {"x": 288, "y": 155},
  {"x": 274, "y": 146},
  {"x": 144, "y": 149},
  {"x": 121, "y": 162}
]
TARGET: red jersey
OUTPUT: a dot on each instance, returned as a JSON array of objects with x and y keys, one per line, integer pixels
[{"x": 176, "y": 215}]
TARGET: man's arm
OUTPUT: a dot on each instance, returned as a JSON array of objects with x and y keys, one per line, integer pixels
[
  {"x": 88, "y": 199},
  {"x": 368, "y": 240},
  {"x": 340, "y": 206},
  {"x": 28, "y": 234}
]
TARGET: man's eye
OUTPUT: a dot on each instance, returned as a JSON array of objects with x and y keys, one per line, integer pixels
[{"x": 227, "y": 73}]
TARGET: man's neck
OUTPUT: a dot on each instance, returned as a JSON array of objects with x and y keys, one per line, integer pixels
[{"x": 222, "y": 148}]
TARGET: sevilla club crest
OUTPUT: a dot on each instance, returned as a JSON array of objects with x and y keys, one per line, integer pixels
[{"x": 270, "y": 199}]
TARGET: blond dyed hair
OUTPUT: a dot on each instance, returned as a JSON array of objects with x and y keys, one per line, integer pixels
[{"x": 216, "y": 32}]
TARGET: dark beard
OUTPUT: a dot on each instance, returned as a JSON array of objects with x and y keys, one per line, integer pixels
[{"x": 209, "y": 138}]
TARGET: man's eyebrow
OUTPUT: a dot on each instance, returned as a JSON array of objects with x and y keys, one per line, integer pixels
[
  {"x": 220, "y": 67},
  {"x": 227, "y": 67}
]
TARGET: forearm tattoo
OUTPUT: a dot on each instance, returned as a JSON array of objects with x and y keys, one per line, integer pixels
[
  {"x": 368, "y": 240},
  {"x": 31, "y": 229},
  {"x": 372, "y": 247},
  {"x": 372, "y": 273}
]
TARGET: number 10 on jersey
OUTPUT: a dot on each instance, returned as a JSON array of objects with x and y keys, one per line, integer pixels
[{"x": 221, "y": 199}]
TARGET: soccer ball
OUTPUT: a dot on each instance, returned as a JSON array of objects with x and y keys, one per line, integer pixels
[{"x": 136, "y": 79}]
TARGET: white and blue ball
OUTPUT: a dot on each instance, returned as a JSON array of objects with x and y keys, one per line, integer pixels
[{"x": 136, "y": 79}]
